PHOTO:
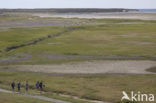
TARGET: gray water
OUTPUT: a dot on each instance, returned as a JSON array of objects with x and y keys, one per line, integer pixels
[{"x": 147, "y": 10}]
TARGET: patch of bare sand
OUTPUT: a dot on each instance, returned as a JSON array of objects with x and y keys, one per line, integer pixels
[
  {"x": 129, "y": 15},
  {"x": 92, "y": 67}
]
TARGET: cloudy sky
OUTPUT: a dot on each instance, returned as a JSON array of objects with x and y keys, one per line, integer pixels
[{"x": 78, "y": 4}]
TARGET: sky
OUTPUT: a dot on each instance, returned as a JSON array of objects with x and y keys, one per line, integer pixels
[{"x": 134, "y": 4}]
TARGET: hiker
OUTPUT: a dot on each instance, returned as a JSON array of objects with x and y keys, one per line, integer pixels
[
  {"x": 26, "y": 86},
  {"x": 41, "y": 86},
  {"x": 13, "y": 86},
  {"x": 37, "y": 85},
  {"x": 19, "y": 86}
]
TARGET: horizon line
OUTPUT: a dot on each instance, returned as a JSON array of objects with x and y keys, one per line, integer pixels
[{"x": 77, "y": 8}]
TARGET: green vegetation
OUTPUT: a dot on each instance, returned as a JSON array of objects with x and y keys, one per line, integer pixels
[
  {"x": 95, "y": 39},
  {"x": 14, "y": 98},
  {"x": 152, "y": 69},
  {"x": 115, "y": 38},
  {"x": 102, "y": 87},
  {"x": 14, "y": 17},
  {"x": 17, "y": 36}
]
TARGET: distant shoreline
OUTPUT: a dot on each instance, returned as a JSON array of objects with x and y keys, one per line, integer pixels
[
  {"x": 142, "y": 14},
  {"x": 71, "y": 10},
  {"x": 75, "y": 10}
]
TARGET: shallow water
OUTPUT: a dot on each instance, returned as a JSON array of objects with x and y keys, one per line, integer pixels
[{"x": 148, "y": 10}]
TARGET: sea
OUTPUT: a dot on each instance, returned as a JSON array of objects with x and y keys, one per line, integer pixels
[{"x": 147, "y": 10}]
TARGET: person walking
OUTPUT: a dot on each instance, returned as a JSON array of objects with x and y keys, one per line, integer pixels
[
  {"x": 41, "y": 86},
  {"x": 13, "y": 86},
  {"x": 19, "y": 86},
  {"x": 26, "y": 86},
  {"x": 37, "y": 85}
]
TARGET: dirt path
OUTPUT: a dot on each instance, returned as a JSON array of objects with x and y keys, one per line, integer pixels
[
  {"x": 35, "y": 96},
  {"x": 90, "y": 67},
  {"x": 51, "y": 99}
]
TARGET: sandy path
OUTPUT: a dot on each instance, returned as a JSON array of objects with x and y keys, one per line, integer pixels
[
  {"x": 35, "y": 96},
  {"x": 92, "y": 67},
  {"x": 51, "y": 99}
]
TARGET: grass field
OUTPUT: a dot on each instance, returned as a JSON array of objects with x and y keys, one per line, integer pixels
[
  {"x": 71, "y": 40},
  {"x": 108, "y": 87},
  {"x": 114, "y": 38}
]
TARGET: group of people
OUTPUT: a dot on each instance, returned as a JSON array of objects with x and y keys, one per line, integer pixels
[{"x": 38, "y": 85}]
